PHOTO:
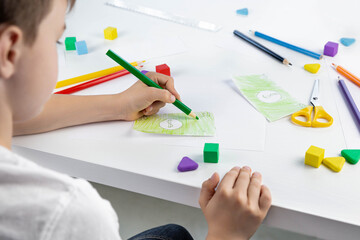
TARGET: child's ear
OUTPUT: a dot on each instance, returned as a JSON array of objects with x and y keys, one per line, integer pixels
[{"x": 11, "y": 45}]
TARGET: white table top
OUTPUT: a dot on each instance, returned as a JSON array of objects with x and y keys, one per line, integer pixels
[{"x": 305, "y": 199}]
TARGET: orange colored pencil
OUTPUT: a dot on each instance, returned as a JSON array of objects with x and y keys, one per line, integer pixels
[{"x": 347, "y": 74}]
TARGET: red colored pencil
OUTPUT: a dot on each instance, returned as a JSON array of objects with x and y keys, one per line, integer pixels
[{"x": 93, "y": 82}]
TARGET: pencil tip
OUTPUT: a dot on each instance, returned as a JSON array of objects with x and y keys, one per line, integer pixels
[
  {"x": 290, "y": 64},
  {"x": 193, "y": 115}
]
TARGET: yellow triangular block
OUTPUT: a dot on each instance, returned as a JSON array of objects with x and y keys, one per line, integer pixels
[
  {"x": 313, "y": 68},
  {"x": 334, "y": 163}
]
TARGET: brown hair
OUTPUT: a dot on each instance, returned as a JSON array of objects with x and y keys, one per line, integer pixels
[{"x": 26, "y": 14}]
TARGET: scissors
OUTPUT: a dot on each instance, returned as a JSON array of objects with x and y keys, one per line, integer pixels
[{"x": 320, "y": 113}]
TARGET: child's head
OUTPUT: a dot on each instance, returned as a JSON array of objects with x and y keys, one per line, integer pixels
[{"x": 29, "y": 30}]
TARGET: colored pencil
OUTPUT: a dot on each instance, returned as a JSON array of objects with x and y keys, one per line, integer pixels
[
  {"x": 350, "y": 100},
  {"x": 287, "y": 45},
  {"x": 347, "y": 74},
  {"x": 93, "y": 82},
  {"x": 262, "y": 47},
  {"x": 93, "y": 75},
  {"x": 142, "y": 77}
]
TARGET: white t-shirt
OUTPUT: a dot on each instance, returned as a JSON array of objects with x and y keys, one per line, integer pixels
[{"x": 37, "y": 203}]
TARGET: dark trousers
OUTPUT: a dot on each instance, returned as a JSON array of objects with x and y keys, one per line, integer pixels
[{"x": 166, "y": 232}]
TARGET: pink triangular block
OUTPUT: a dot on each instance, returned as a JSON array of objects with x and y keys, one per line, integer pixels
[{"x": 187, "y": 164}]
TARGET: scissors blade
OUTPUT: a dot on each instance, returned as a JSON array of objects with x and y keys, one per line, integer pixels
[{"x": 314, "y": 100}]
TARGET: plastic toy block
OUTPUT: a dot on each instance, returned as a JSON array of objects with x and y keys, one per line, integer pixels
[
  {"x": 70, "y": 43},
  {"x": 331, "y": 49},
  {"x": 164, "y": 69},
  {"x": 347, "y": 41},
  {"x": 314, "y": 156},
  {"x": 110, "y": 33},
  {"x": 187, "y": 164},
  {"x": 313, "y": 68},
  {"x": 243, "y": 11},
  {"x": 81, "y": 48},
  {"x": 352, "y": 156},
  {"x": 334, "y": 163},
  {"x": 211, "y": 153}
]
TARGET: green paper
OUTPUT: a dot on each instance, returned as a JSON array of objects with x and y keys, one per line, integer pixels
[
  {"x": 177, "y": 124},
  {"x": 269, "y": 99}
]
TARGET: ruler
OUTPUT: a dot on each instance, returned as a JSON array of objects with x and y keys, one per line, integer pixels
[{"x": 165, "y": 16}]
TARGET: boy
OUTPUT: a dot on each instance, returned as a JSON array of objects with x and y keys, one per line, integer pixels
[{"x": 36, "y": 203}]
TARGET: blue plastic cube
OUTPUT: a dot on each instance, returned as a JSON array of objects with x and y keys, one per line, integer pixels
[{"x": 81, "y": 48}]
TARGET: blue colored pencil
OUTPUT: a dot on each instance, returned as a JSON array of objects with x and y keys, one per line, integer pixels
[
  {"x": 350, "y": 100},
  {"x": 287, "y": 45}
]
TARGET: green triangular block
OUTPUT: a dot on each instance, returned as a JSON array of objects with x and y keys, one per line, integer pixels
[{"x": 352, "y": 156}]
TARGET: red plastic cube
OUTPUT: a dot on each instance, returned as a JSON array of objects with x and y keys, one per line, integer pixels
[{"x": 164, "y": 69}]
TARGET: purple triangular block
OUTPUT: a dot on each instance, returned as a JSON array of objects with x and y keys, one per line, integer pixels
[{"x": 187, "y": 164}]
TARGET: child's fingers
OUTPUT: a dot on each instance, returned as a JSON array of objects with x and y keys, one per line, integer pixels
[
  {"x": 155, "y": 94},
  {"x": 208, "y": 190},
  {"x": 228, "y": 181},
  {"x": 242, "y": 182},
  {"x": 172, "y": 89},
  {"x": 153, "y": 108},
  {"x": 168, "y": 83},
  {"x": 138, "y": 115},
  {"x": 165, "y": 81},
  {"x": 254, "y": 189},
  {"x": 265, "y": 198}
]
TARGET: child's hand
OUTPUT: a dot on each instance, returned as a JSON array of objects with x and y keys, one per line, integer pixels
[
  {"x": 236, "y": 209},
  {"x": 140, "y": 100}
]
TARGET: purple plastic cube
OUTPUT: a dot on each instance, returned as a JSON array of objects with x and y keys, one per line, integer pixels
[{"x": 331, "y": 49}]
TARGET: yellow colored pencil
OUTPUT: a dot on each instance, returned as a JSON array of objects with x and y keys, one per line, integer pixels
[{"x": 93, "y": 75}]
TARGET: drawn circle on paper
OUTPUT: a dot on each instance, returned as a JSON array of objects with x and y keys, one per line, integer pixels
[
  {"x": 268, "y": 96},
  {"x": 171, "y": 124}
]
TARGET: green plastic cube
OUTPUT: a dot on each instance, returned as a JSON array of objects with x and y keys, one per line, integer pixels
[
  {"x": 211, "y": 153},
  {"x": 70, "y": 43}
]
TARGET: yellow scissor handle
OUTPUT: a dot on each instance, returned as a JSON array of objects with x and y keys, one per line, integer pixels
[
  {"x": 306, "y": 112},
  {"x": 321, "y": 113}
]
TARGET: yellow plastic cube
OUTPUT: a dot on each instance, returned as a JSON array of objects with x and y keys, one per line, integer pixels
[
  {"x": 314, "y": 156},
  {"x": 334, "y": 163},
  {"x": 110, "y": 33}
]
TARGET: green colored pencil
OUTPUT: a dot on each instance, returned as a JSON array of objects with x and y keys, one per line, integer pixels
[{"x": 148, "y": 81}]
